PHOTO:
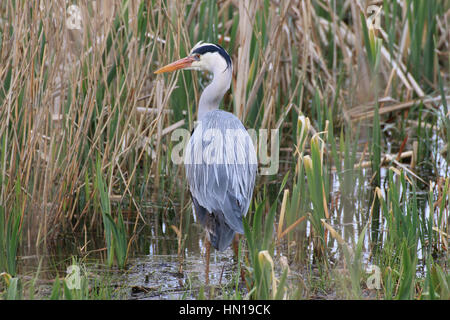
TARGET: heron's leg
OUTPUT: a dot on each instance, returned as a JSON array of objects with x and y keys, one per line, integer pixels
[
  {"x": 236, "y": 255},
  {"x": 236, "y": 247},
  {"x": 208, "y": 251}
]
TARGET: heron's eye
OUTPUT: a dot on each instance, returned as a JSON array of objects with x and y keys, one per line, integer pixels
[{"x": 197, "y": 56}]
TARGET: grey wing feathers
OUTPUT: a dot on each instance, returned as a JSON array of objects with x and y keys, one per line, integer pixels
[{"x": 221, "y": 166}]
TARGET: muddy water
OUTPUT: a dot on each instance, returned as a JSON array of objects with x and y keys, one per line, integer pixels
[
  {"x": 154, "y": 270},
  {"x": 158, "y": 276}
]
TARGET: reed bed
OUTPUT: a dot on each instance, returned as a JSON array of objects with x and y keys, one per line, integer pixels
[{"x": 354, "y": 93}]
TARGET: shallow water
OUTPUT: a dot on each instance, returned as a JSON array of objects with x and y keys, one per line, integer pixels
[
  {"x": 154, "y": 268},
  {"x": 158, "y": 276}
]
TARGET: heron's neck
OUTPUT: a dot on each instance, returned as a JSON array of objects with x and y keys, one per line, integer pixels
[{"x": 213, "y": 93}]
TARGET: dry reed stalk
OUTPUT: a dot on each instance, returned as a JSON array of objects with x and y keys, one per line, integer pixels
[
  {"x": 358, "y": 113},
  {"x": 247, "y": 11}
]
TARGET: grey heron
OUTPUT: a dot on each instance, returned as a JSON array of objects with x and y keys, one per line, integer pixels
[{"x": 220, "y": 158}]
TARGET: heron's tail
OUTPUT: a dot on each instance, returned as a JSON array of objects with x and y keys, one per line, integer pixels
[
  {"x": 220, "y": 235},
  {"x": 219, "y": 232}
]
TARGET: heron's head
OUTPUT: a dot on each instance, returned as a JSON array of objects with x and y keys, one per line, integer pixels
[{"x": 204, "y": 57}]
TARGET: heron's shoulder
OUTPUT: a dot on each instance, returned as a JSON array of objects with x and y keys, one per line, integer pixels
[{"x": 221, "y": 118}]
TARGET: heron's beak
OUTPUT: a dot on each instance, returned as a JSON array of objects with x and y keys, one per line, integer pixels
[{"x": 179, "y": 64}]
